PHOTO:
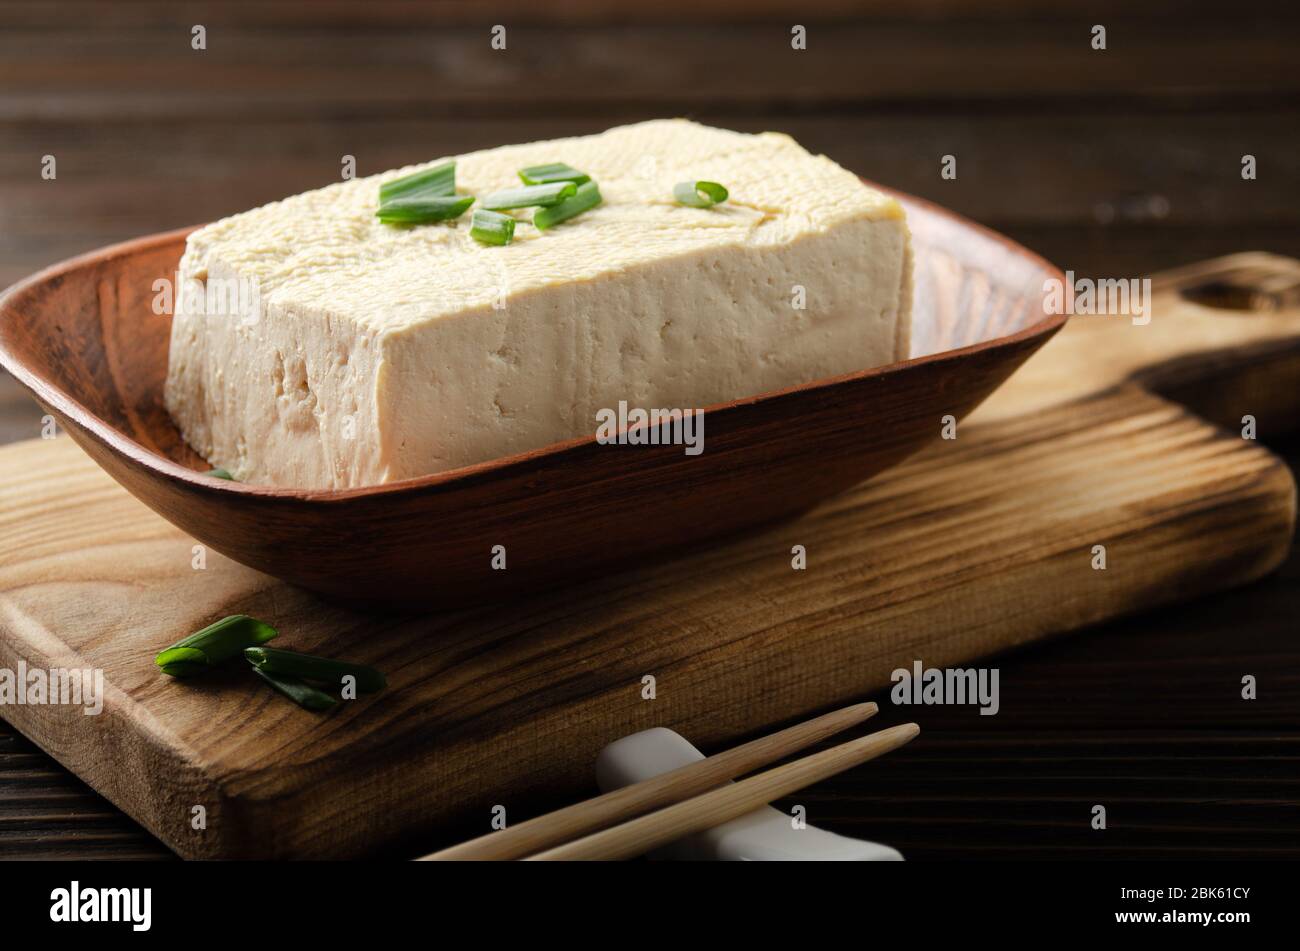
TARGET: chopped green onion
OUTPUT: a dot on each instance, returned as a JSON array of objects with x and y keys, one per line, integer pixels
[
  {"x": 418, "y": 210},
  {"x": 305, "y": 695},
  {"x": 183, "y": 661},
  {"x": 183, "y": 669},
  {"x": 554, "y": 172},
  {"x": 220, "y": 473},
  {"x": 440, "y": 180},
  {"x": 214, "y": 644},
  {"x": 306, "y": 667},
  {"x": 488, "y": 227},
  {"x": 549, "y": 194},
  {"x": 699, "y": 194},
  {"x": 588, "y": 196}
]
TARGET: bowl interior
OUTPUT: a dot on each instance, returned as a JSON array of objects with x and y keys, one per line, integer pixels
[
  {"x": 90, "y": 336},
  {"x": 972, "y": 285}
]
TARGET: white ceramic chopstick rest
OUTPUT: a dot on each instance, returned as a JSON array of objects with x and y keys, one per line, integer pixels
[{"x": 764, "y": 835}]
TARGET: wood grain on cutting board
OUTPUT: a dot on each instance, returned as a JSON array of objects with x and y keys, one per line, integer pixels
[{"x": 977, "y": 545}]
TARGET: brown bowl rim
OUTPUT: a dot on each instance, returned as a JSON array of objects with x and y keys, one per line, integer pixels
[{"x": 54, "y": 397}]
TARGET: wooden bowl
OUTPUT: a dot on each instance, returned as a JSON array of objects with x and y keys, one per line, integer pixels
[{"x": 83, "y": 337}]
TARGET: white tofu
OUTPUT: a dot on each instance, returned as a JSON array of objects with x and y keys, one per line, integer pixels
[{"x": 383, "y": 353}]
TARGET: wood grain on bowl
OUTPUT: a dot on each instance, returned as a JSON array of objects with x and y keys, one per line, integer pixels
[{"x": 85, "y": 339}]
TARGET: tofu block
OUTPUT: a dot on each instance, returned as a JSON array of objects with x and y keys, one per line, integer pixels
[{"x": 378, "y": 353}]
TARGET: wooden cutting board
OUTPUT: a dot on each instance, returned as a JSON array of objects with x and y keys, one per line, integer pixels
[{"x": 981, "y": 543}]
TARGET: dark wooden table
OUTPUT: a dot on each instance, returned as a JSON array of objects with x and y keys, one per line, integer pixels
[{"x": 1111, "y": 163}]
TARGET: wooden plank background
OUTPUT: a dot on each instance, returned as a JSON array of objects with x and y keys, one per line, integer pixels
[{"x": 1111, "y": 163}]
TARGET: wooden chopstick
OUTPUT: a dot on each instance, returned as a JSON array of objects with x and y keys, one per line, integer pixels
[
  {"x": 720, "y": 805},
  {"x": 583, "y": 818}
]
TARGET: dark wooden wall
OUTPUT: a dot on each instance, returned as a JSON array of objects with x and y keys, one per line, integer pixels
[{"x": 1110, "y": 163}]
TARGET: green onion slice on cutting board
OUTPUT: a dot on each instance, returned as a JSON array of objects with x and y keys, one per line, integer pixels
[
  {"x": 271, "y": 660},
  {"x": 301, "y": 693},
  {"x": 213, "y": 645}
]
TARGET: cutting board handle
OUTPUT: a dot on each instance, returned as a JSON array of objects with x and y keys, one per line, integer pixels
[{"x": 1220, "y": 336}]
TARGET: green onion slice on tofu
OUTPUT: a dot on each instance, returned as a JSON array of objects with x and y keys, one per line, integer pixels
[
  {"x": 303, "y": 694},
  {"x": 271, "y": 660},
  {"x": 588, "y": 196},
  {"x": 213, "y": 645},
  {"x": 552, "y": 193},
  {"x": 220, "y": 473},
  {"x": 422, "y": 209},
  {"x": 553, "y": 172},
  {"x": 699, "y": 194},
  {"x": 490, "y": 227},
  {"x": 440, "y": 180}
]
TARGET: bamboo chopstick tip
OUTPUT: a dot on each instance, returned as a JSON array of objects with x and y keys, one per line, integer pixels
[{"x": 890, "y": 738}]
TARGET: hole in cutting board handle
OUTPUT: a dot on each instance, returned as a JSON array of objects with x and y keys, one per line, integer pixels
[{"x": 1225, "y": 295}]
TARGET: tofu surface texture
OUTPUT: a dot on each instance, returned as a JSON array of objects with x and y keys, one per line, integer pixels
[{"x": 382, "y": 353}]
